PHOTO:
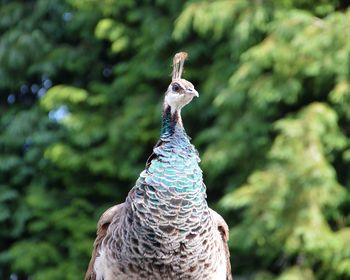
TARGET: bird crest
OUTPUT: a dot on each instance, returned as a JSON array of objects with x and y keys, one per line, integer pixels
[{"x": 178, "y": 65}]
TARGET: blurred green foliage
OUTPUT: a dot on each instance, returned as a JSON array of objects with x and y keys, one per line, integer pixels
[{"x": 81, "y": 86}]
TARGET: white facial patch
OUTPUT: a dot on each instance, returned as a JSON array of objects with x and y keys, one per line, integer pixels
[{"x": 176, "y": 100}]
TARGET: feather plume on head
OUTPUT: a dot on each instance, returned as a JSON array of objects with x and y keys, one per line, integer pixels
[{"x": 178, "y": 65}]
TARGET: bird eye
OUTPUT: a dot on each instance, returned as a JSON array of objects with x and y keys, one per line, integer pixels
[{"x": 176, "y": 87}]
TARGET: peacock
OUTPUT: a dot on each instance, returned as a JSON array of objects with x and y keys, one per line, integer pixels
[{"x": 164, "y": 229}]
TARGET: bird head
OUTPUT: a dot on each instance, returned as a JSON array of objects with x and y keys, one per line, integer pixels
[{"x": 180, "y": 91}]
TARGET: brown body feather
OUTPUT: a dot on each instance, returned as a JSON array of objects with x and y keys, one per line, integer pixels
[
  {"x": 102, "y": 227},
  {"x": 117, "y": 210}
]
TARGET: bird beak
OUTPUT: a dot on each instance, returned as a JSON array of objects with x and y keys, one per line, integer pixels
[{"x": 193, "y": 92}]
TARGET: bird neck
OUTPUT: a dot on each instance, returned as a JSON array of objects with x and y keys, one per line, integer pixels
[
  {"x": 170, "y": 120},
  {"x": 170, "y": 192}
]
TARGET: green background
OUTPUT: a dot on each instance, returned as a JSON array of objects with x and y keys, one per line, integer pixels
[{"x": 81, "y": 88}]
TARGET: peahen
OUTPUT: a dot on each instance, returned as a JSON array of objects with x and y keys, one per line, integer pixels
[{"x": 164, "y": 229}]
